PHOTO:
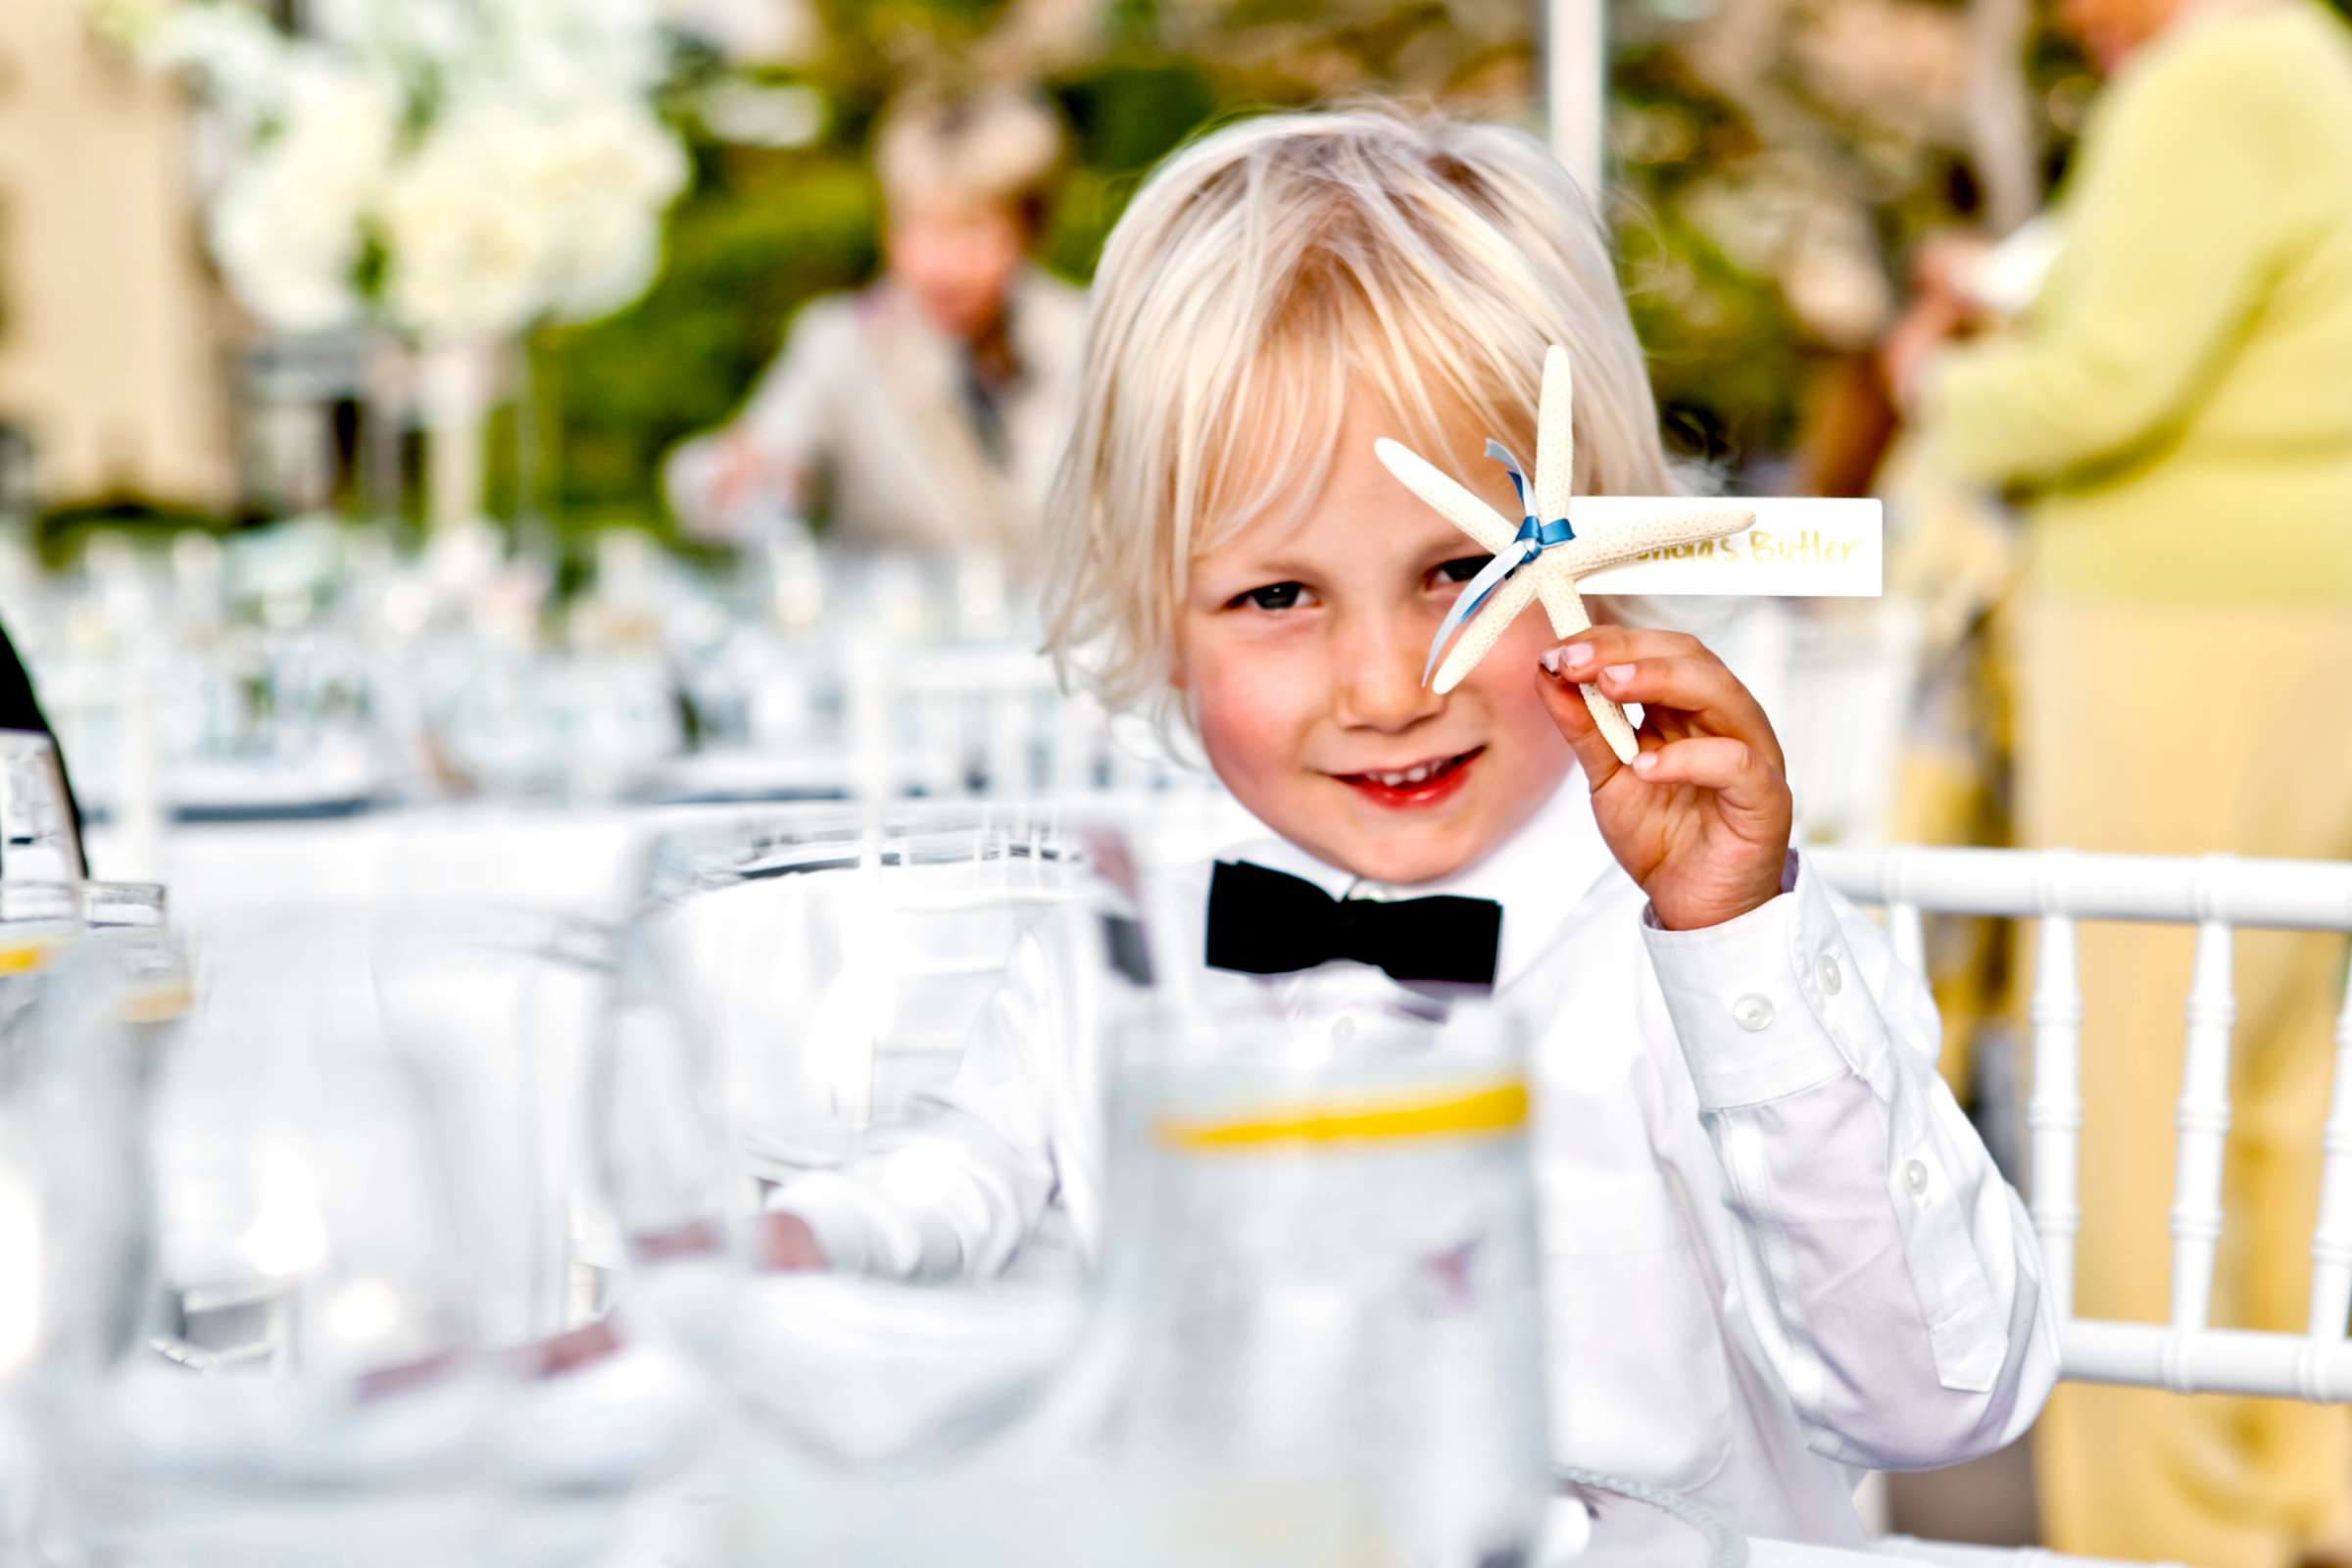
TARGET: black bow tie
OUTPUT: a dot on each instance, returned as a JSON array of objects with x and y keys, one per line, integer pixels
[{"x": 1264, "y": 922}]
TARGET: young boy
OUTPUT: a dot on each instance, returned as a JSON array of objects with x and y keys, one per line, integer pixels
[{"x": 1774, "y": 1248}]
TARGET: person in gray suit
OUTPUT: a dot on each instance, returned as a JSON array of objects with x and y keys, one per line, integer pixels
[{"x": 924, "y": 413}]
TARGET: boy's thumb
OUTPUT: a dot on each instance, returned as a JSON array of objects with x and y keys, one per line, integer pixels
[{"x": 1564, "y": 700}]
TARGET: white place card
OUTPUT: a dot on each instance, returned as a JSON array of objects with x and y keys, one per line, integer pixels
[{"x": 1798, "y": 548}]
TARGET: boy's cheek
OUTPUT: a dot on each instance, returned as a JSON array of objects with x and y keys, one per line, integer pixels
[
  {"x": 1505, "y": 679},
  {"x": 1253, "y": 716},
  {"x": 1244, "y": 715}
]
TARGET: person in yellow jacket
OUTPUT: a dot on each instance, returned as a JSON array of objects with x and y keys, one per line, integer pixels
[{"x": 2175, "y": 415}]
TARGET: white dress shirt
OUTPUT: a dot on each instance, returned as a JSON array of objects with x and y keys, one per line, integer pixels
[{"x": 1774, "y": 1248}]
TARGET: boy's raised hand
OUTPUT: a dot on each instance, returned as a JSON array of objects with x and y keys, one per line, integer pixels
[{"x": 1701, "y": 818}]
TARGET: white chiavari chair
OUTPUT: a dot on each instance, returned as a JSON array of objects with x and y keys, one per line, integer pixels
[
  {"x": 2218, "y": 894},
  {"x": 993, "y": 721},
  {"x": 1841, "y": 683}
]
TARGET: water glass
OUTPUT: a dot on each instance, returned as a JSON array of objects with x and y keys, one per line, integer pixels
[
  {"x": 1319, "y": 1284},
  {"x": 40, "y": 841},
  {"x": 797, "y": 991},
  {"x": 360, "y": 1144}
]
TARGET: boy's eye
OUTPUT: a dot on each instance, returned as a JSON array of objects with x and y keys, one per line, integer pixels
[
  {"x": 1273, "y": 596},
  {"x": 1464, "y": 568}
]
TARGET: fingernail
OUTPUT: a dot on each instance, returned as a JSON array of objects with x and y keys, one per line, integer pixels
[
  {"x": 1550, "y": 658},
  {"x": 1619, "y": 672},
  {"x": 1646, "y": 762},
  {"x": 1576, "y": 656}
]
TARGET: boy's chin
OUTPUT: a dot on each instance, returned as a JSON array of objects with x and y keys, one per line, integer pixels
[{"x": 1402, "y": 859}]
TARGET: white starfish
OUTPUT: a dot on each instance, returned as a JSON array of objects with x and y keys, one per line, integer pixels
[{"x": 1543, "y": 557}]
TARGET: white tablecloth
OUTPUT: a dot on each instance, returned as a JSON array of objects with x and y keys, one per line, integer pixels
[{"x": 581, "y": 859}]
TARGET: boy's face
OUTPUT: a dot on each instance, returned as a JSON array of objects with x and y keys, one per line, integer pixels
[{"x": 1302, "y": 649}]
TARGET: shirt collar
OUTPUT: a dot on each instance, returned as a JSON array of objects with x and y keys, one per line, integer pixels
[{"x": 1539, "y": 875}]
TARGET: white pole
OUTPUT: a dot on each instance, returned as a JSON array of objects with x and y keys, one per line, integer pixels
[{"x": 1576, "y": 83}]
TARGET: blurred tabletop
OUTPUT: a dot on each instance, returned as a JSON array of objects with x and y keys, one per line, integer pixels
[{"x": 576, "y": 858}]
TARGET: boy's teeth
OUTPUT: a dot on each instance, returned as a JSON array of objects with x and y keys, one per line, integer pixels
[{"x": 1411, "y": 776}]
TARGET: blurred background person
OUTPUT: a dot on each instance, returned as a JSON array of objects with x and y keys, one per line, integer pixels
[
  {"x": 924, "y": 412},
  {"x": 2175, "y": 415}
]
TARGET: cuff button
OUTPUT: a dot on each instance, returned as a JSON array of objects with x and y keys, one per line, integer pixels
[{"x": 1753, "y": 1012}]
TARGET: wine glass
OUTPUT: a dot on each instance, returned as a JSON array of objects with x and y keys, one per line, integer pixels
[
  {"x": 795, "y": 993},
  {"x": 39, "y": 839},
  {"x": 74, "y": 1231},
  {"x": 359, "y": 1135},
  {"x": 830, "y": 961}
]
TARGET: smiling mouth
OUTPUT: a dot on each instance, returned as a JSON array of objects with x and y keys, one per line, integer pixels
[{"x": 1418, "y": 785}]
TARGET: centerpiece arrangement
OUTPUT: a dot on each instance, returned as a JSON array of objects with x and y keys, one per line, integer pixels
[{"x": 452, "y": 170}]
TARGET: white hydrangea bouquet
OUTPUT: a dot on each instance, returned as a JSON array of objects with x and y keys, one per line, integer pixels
[{"x": 455, "y": 169}]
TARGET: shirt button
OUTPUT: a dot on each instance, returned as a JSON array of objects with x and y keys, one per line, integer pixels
[
  {"x": 1754, "y": 1014},
  {"x": 1342, "y": 1030},
  {"x": 1915, "y": 1176},
  {"x": 1832, "y": 977}
]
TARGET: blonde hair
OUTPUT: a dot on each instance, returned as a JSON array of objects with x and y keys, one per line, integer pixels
[
  {"x": 1260, "y": 275},
  {"x": 997, "y": 145}
]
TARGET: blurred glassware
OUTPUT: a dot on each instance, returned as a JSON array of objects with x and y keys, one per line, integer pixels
[
  {"x": 106, "y": 906},
  {"x": 38, "y": 921},
  {"x": 38, "y": 840},
  {"x": 148, "y": 963},
  {"x": 794, "y": 990},
  {"x": 1313, "y": 1333},
  {"x": 359, "y": 1139},
  {"x": 1318, "y": 1297},
  {"x": 824, "y": 963},
  {"x": 1313, "y": 1337},
  {"x": 74, "y": 1224},
  {"x": 527, "y": 722},
  {"x": 300, "y": 671}
]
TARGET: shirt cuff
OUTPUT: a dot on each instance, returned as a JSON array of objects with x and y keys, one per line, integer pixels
[
  {"x": 1768, "y": 1003},
  {"x": 843, "y": 1217}
]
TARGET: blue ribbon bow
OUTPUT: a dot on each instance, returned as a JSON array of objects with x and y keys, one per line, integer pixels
[{"x": 1530, "y": 541}]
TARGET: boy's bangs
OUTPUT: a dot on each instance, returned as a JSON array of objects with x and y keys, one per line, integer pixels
[
  {"x": 1278, "y": 436},
  {"x": 1276, "y": 439}
]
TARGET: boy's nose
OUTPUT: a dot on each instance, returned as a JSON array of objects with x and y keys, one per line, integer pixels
[{"x": 1377, "y": 684}]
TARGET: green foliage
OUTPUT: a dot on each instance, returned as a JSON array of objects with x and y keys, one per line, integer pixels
[
  {"x": 1724, "y": 356},
  {"x": 1127, "y": 113},
  {"x": 1124, "y": 118},
  {"x": 60, "y": 532},
  {"x": 763, "y": 233}
]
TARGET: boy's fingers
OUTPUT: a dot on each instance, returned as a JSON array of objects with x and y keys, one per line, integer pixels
[
  {"x": 1597, "y": 645},
  {"x": 1698, "y": 684},
  {"x": 1566, "y": 704},
  {"x": 1740, "y": 778}
]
